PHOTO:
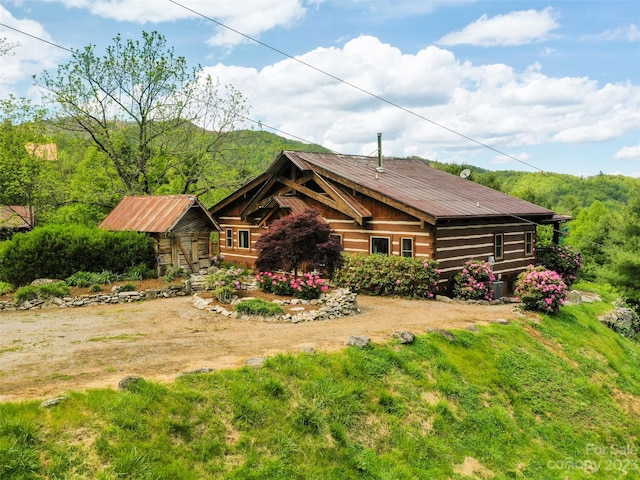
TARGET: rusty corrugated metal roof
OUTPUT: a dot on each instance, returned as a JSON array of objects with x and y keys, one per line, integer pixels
[
  {"x": 152, "y": 213},
  {"x": 417, "y": 185},
  {"x": 15, "y": 216}
]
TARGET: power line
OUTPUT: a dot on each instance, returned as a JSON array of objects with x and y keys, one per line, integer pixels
[
  {"x": 37, "y": 38},
  {"x": 261, "y": 124},
  {"x": 251, "y": 120},
  {"x": 352, "y": 85}
]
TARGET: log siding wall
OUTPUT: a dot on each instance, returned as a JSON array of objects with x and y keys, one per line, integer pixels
[{"x": 455, "y": 244}]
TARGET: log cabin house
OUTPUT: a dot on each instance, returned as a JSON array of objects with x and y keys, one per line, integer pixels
[
  {"x": 179, "y": 225},
  {"x": 391, "y": 206}
]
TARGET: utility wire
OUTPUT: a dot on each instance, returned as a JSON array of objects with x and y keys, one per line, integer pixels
[
  {"x": 260, "y": 123},
  {"x": 352, "y": 85},
  {"x": 37, "y": 38},
  {"x": 251, "y": 120}
]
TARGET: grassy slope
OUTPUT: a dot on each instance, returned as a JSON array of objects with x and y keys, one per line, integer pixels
[{"x": 554, "y": 399}]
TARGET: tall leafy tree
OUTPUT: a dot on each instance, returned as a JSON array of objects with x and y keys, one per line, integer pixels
[
  {"x": 296, "y": 240},
  {"x": 22, "y": 170},
  {"x": 590, "y": 233},
  {"x": 160, "y": 123},
  {"x": 624, "y": 251}
]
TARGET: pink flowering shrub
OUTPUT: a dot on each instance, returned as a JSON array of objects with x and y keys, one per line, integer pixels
[
  {"x": 541, "y": 290},
  {"x": 475, "y": 282},
  {"x": 226, "y": 282},
  {"x": 388, "y": 275},
  {"x": 216, "y": 260},
  {"x": 306, "y": 286},
  {"x": 561, "y": 259}
]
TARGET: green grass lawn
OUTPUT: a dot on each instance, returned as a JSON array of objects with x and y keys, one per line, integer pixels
[{"x": 554, "y": 399}]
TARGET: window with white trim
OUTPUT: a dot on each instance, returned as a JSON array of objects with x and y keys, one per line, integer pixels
[
  {"x": 337, "y": 237},
  {"x": 498, "y": 246},
  {"x": 406, "y": 247},
  {"x": 229, "y": 238},
  {"x": 380, "y": 245},
  {"x": 528, "y": 244},
  {"x": 243, "y": 238}
]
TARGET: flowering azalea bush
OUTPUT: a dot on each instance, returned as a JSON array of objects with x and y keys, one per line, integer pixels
[
  {"x": 216, "y": 260},
  {"x": 388, "y": 275},
  {"x": 226, "y": 282},
  {"x": 541, "y": 290},
  {"x": 307, "y": 286},
  {"x": 561, "y": 259},
  {"x": 475, "y": 282}
]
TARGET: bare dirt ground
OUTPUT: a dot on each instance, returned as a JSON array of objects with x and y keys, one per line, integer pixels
[{"x": 45, "y": 353}]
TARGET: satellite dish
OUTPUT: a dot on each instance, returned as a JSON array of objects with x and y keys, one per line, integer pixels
[{"x": 465, "y": 173}]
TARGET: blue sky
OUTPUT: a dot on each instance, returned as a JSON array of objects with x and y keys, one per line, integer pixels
[{"x": 555, "y": 85}]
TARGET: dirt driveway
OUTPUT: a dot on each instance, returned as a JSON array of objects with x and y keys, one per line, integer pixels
[{"x": 44, "y": 353}]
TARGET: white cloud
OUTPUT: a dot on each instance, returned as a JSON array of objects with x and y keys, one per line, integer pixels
[
  {"x": 491, "y": 103},
  {"x": 628, "y": 153},
  {"x": 629, "y": 33},
  {"x": 515, "y": 28},
  {"x": 30, "y": 56},
  {"x": 251, "y": 17},
  {"x": 511, "y": 158}
]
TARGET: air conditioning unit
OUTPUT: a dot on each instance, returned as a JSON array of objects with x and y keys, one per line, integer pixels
[{"x": 498, "y": 289}]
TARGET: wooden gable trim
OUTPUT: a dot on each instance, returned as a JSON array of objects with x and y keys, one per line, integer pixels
[
  {"x": 254, "y": 204},
  {"x": 425, "y": 217},
  {"x": 196, "y": 203},
  {"x": 329, "y": 202},
  {"x": 346, "y": 204},
  {"x": 238, "y": 193}
]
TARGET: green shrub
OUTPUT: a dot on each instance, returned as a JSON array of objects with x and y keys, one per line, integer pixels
[
  {"x": 541, "y": 290},
  {"x": 25, "y": 294},
  {"x": 139, "y": 272},
  {"x": 173, "y": 273},
  {"x": 224, "y": 293},
  {"x": 84, "y": 279},
  {"x": 127, "y": 287},
  {"x": 57, "y": 289},
  {"x": 5, "y": 288},
  {"x": 257, "y": 306},
  {"x": 43, "y": 292},
  {"x": 58, "y": 251},
  {"x": 95, "y": 288},
  {"x": 475, "y": 281},
  {"x": 388, "y": 275}
]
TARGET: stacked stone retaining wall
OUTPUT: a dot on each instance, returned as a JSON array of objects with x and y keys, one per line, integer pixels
[{"x": 102, "y": 298}]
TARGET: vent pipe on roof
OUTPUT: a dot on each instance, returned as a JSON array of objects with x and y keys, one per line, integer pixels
[{"x": 380, "y": 169}]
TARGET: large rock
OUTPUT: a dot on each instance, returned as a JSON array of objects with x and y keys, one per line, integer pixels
[
  {"x": 622, "y": 320},
  {"x": 358, "y": 341},
  {"x": 127, "y": 382},
  {"x": 404, "y": 336},
  {"x": 574, "y": 297}
]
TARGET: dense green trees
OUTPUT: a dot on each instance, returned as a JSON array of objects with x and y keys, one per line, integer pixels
[
  {"x": 623, "y": 269},
  {"x": 22, "y": 171}
]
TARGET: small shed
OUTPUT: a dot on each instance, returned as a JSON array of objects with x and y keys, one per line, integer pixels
[
  {"x": 179, "y": 224},
  {"x": 14, "y": 219}
]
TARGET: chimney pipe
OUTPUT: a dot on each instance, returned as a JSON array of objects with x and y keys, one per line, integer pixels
[{"x": 380, "y": 169}]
